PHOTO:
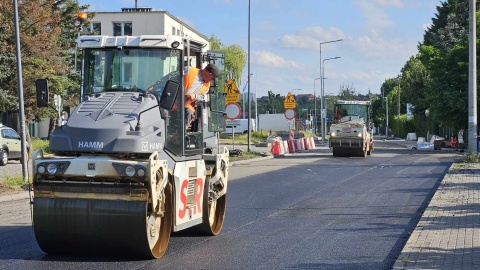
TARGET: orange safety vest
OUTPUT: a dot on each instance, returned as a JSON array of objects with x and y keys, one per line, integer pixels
[{"x": 188, "y": 81}]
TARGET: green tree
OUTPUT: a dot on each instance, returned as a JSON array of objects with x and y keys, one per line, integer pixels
[
  {"x": 347, "y": 92},
  {"x": 235, "y": 58},
  {"x": 47, "y": 46},
  {"x": 416, "y": 83}
]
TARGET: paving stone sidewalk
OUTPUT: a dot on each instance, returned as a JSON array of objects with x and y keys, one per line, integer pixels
[{"x": 448, "y": 233}]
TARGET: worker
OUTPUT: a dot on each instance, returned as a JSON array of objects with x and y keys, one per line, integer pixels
[
  {"x": 197, "y": 83},
  {"x": 339, "y": 114}
]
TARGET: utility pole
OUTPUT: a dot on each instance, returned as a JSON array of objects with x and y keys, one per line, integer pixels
[
  {"x": 472, "y": 80},
  {"x": 23, "y": 128},
  {"x": 386, "y": 127},
  {"x": 398, "y": 119},
  {"x": 248, "y": 95}
]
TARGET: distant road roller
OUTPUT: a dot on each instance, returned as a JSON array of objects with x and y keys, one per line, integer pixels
[
  {"x": 351, "y": 134},
  {"x": 126, "y": 171}
]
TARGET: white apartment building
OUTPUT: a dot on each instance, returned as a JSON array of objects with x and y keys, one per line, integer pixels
[{"x": 143, "y": 21}]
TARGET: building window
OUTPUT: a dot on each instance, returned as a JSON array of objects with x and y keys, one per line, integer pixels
[
  {"x": 95, "y": 29},
  {"x": 178, "y": 32},
  {"x": 127, "y": 29},
  {"x": 173, "y": 30},
  {"x": 122, "y": 29}
]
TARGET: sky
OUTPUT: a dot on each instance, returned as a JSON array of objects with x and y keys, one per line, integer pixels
[{"x": 377, "y": 38}]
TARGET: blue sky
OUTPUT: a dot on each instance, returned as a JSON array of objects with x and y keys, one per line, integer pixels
[{"x": 378, "y": 37}]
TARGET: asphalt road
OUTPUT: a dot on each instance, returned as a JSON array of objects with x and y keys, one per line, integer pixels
[{"x": 308, "y": 210}]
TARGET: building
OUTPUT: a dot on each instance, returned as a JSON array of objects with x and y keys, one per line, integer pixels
[
  {"x": 143, "y": 21},
  {"x": 306, "y": 96}
]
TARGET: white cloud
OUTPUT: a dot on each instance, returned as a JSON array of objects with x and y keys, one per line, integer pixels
[
  {"x": 271, "y": 60},
  {"x": 376, "y": 18},
  {"x": 309, "y": 38}
]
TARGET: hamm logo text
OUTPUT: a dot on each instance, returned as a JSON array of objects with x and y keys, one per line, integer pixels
[{"x": 90, "y": 144}]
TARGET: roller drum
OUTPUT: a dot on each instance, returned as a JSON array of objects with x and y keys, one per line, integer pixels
[{"x": 91, "y": 226}]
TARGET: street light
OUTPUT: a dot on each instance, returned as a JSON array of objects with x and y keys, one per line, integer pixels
[
  {"x": 321, "y": 52},
  {"x": 322, "y": 94},
  {"x": 399, "y": 77},
  {"x": 315, "y": 103},
  {"x": 386, "y": 127},
  {"x": 321, "y": 82},
  {"x": 248, "y": 70},
  {"x": 298, "y": 89}
]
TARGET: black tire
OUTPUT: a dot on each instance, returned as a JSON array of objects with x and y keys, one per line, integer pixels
[{"x": 4, "y": 158}]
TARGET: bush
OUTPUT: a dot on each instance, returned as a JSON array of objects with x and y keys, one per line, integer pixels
[
  {"x": 471, "y": 158},
  {"x": 39, "y": 143}
]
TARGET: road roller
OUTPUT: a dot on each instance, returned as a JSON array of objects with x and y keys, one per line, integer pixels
[{"x": 124, "y": 171}]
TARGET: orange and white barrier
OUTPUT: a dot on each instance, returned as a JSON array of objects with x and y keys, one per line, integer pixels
[
  {"x": 312, "y": 143},
  {"x": 291, "y": 146},
  {"x": 298, "y": 144},
  {"x": 306, "y": 143}
]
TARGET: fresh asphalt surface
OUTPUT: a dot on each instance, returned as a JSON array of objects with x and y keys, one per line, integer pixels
[{"x": 307, "y": 210}]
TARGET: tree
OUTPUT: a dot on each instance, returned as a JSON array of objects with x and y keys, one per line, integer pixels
[
  {"x": 41, "y": 55},
  {"x": 416, "y": 83},
  {"x": 445, "y": 56},
  {"x": 235, "y": 58},
  {"x": 7, "y": 101},
  {"x": 273, "y": 101},
  {"x": 436, "y": 79},
  {"x": 46, "y": 37},
  {"x": 347, "y": 92}
]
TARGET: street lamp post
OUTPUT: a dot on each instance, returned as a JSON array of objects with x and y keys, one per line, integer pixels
[
  {"x": 321, "y": 52},
  {"x": 315, "y": 103},
  {"x": 399, "y": 77},
  {"x": 322, "y": 122},
  {"x": 386, "y": 127},
  {"x": 248, "y": 121},
  {"x": 321, "y": 76}
]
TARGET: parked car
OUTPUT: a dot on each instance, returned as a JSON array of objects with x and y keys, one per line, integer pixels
[{"x": 11, "y": 145}]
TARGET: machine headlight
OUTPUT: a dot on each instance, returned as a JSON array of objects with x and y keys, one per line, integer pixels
[
  {"x": 175, "y": 44},
  {"x": 333, "y": 134},
  {"x": 52, "y": 168},
  {"x": 130, "y": 170},
  {"x": 41, "y": 169},
  {"x": 141, "y": 172},
  {"x": 359, "y": 135}
]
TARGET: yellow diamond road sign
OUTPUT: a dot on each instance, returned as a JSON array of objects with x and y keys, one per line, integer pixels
[
  {"x": 289, "y": 102},
  {"x": 233, "y": 93}
]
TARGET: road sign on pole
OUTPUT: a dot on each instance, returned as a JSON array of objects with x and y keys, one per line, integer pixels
[
  {"x": 289, "y": 102},
  {"x": 233, "y": 93},
  {"x": 233, "y": 111},
  {"x": 289, "y": 114}
]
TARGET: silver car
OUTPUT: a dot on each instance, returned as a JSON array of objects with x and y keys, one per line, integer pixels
[{"x": 11, "y": 145}]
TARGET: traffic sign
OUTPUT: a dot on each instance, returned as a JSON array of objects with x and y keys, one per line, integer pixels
[
  {"x": 233, "y": 111},
  {"x": 233, "y": 93},
  {"x": 289, "y": 102},
  {"x": 289, "y": 114}
]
